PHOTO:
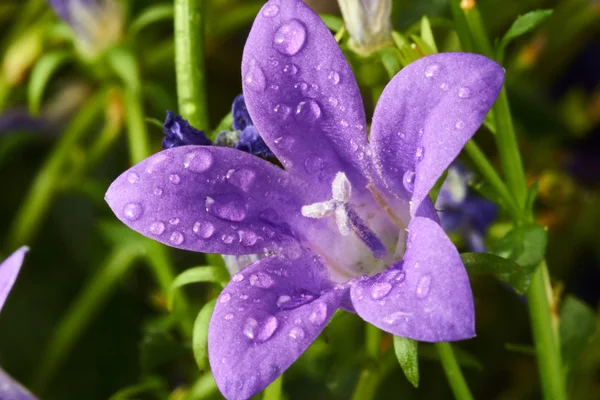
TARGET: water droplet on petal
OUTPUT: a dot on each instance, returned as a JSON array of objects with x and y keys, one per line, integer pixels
[
  {"x": 157, "y": 228},
  {"x": 152, "y": 163},
  {"x": 444, "y": 86},
  {"x": 133, "y": 177},
  {"x": 224, "y": 298},
  {"x": 332, "y": 101},
  {"x": 267, "y": 329},
  {"x": 296, "y": 333},
  {"x": 408, "y": 180},
  {"x": 459, "y": 125},
  {"x": 290, "y": 38},
  {"x": 132, "y": 211},
  {"x": 334, "y": 77},
  {"x": 344, "y": 123},
  {"x": 241, "y": 178},
  {"x": 464, "y": 92},
  {"x": 420, "y": 153},
  {"x": 301, "y": 86},
  {"x": 228, "y": 317},
  {"x": 230, "y": 207},
  {"x": 227, "y": 239},
  {"x": 247, "y": 237},
  {"x": 319, "y": 313},
  {"x": 255, "y": 77},
  {"x": 174, "y": 221},
  {"x": 198, "y": 161},
  {"x": 380, "y": 289},
  {"x": 423, "y": 286},
  {"x": 250, "y": 328},
  {"x": 270, "y": 11},
  {"x": 261, "y": 280},
  {"x": 203, "y": 229},
  {"x": 431, "y": 70},
  {"x": 237, "y": 277},
  {"x": 391, "y": 319},
  {"x": 176, "y": 238},
  {"x": 307, "y": 111},
  {"x": 174, "y": 178},
  {"x": 297, "y": 300},
  {"x": 158, "y": 192},
  {"x": 313, "y": 164},
  {"x": 283, "y": 299},
  {"x": 290, "y": 69},
  {"x": 282, "y": 110}
]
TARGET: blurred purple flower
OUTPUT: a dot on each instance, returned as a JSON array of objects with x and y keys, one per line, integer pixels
[
  {"x": 12, "y": 390},
  {"x": 368, "y": 22},
  {"x": 178, "y": 132},
  {"x": 462, "y": 211},
  {"x": 333, "y": 225},
  {"x": 9, "y": 269}
]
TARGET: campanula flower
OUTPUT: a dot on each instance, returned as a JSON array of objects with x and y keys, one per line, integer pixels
[
  {"x": 179, "y": 132},
  {"x": 9, "y": 269},
  {"x": 368, "y": 23},
  {"x": 347, "y": 223},
  {"x": 97, "y": 24},
  {"x": 462, "y": 211}
]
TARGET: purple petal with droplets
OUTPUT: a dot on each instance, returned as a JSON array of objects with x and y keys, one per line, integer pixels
[
  {"x": 425, "y": 297},
  {"x": 425, "y": 116},
  {"x": 303, "y": 98},
  {"x": 12, "y": 390},
  {"x": 9, "y": 269},
  {"x": 208, "y": 199},
  {"x": 265, "y": 318}
]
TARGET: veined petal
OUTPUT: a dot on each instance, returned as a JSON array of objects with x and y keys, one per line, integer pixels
[
  {"x": 9, "y": 269},
  {"x": 303, "y": 98},
  {"x": 425, "y": 116},
  {"x": 265, "y": 318},
  {"x": 208, "y": 199},
  {"x": 425, "y": 297}
]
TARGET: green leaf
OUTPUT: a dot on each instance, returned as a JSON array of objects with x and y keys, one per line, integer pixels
[
  {"x": 333, "y": 22},
  {"x": 525, "y": 245},
  {"x": 523, "y": 24},
  {"x": 577, "y": 326},
  {"x": 196, "y": 275},
  {"x": 423, "y": 45},
  {"x": 151, "y": 384},
  {"x": 435, "y": 190},
  {"x": 150, "y": 15},
  {"x": 389, "y": 58},
  {"x": 200, "y": 337},
  {"x": 531, "y": 196},
  {"x": 505, "y": 270},
  {"x": 41, "y": 74},
  {"x": 407, "y": 355},
  {"x": 216, "y": 260},
  {"x": 427, "y": 33}
]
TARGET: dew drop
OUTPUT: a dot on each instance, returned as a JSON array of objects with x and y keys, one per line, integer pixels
[
  {"x": 420, "y": 154},
  {"x": 224, "y": 298},
  {"x": 391, "y": 319},
  {"x": 319, "y": 313},
  {"x": 228, "y": 317},
  {"x": 174, "y": 178},
  {"x": 380, "y": 289},
  {"x": 344, "y": 123},
  {"x": 198, "y": 161},
  {"x": 290, "y": 69},
  {"x": 158, "y": 192},
  {"x": 423, "y": 286},
  {"x": 301, "y": 86},
  {"x": 154, "y": 161},
  {"x": 408, "y": 180},
  {"x": 241, "y": 178},
  {"x": 250, "y": 328},
  {"x": 282, "y": 110},
  {"x": 237, "y": 277},
  {"x": 255, "y": 77},
  {"x": 203, "y": 229},
  {"x": 133, "y": 177},
  {"x": 290, "y": 38},
  {"x": 332, "y": 101},
  {"x": 270, "y": 11},
  {"x": 176, "y": 238},
  {"x": 459, "y": 125},
  {"x": 334, "y": 77},
  {"x": 227, "y": 239},
  {"x": 431, "y": 70},
  {"x": 282, "y": 300},
  {"x": 274, "y": 87},
  {"x": 230, "y": 207},
  {"x": 313, "y": 164},
  {"x": 267, "y": 329},
  {"x": 261, "y": 280},
  {"x": 296, "y": 333},
  {"x": 174, "y": 221},
  {"x": 157, "y": 228},
  {"x": 464, "y": 92},
  {"x": 132, "y": 211},
  {"x": 307, "y": 111},
  {"x": 247, "y": 237}
]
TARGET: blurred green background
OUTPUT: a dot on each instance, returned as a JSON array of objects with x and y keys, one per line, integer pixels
[{"x": 66, "y": 101}]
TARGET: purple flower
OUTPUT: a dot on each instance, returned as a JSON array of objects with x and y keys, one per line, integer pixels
[
  {"x": 12, "y": 390},
  {"x": 178, "y": 132},
  {"x": 348, "y": 223},
  {"x": 9, "y": 269},
  {"x": 463, "y": 211}
]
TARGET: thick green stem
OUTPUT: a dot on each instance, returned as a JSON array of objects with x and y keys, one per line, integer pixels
[
  {"x": 136, "y": 126},
  {"x": 373, "y": 339},
  {"x": 189, "y": 62},
  {"x": 453, "y": 373},
  {"x": 545, "y": 335},
  {"x": 45, "y": 186}
]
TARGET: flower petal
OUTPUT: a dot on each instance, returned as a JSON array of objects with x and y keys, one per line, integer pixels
[
  {"x": 426, "y": 297},
  {"x": 265, "y": 318},
  {"x": 303, "y": 98},
  {"x": 208, "y": 199},
  {"x": 13, "y": 390},
  {"x": 425, "y": 116},
  {"x": 9, "y": 269}
]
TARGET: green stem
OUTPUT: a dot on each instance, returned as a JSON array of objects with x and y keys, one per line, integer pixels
[
  {"x": 488, "y": 171},
  {"x": 189, "y": 62},
  {"x": 373, "y": 339},
  {"x": 82, "y": 311},
  {"x": 453, "y": 373},
  {"x": 545, "y": 335},
  {"x": 273, "y": 391},
  {"x": 137, "y": 133},
  {"x": 45, "y": 186}
]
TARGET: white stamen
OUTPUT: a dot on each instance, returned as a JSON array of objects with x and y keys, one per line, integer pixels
[
  {"x": 319, "y": 210},
  {"x": 342, "y": 221},
  {"x": 341, "y": 189}
]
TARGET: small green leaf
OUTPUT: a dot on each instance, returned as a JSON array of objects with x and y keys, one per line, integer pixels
[
  {"x": 532, "y": 194},
  {"x": 523, "y": 24},
  {"x": 150, "y": 15},
  {"x": 200, "y": 337},
  {"x": 208, "y": 274},
  {"x": 435, "y": 190},
  {"x": 151, "y": 384},
  {"x": 505, "y": 270},
  {"x": 427, "y": 33},
  {"x": 577, "y": 326},
  {"x": 406, "y": 352},
  {"x": 333, "y": 22},
  {"x": 423, "y": 45},
  {"x": 41, "y": 74},
  {"x": 389, "y": 59}
]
